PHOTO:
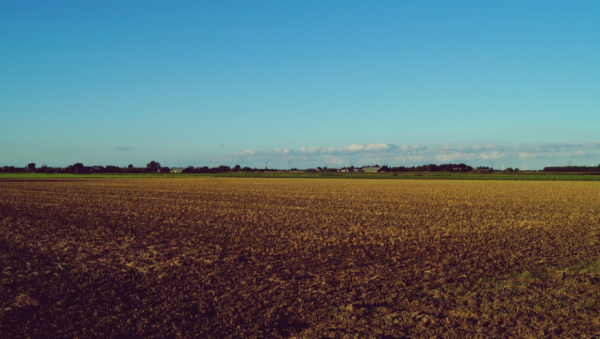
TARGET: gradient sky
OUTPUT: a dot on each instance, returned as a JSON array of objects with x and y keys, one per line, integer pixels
[{"x": 317, "y": 83}]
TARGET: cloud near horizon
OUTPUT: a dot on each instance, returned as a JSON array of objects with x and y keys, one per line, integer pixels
[{"x": 409, "y": 155}]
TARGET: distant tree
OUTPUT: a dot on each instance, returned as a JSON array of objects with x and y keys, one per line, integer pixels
[
  {"x": 153, "y": 166},
  {"x": 31, "y": 166},
  {"x": 130, "y": 167},
  {"x": 43, "y": 169},
  {"x": 112, "y": 169},
  {"x": 223, "y": 168},
  {"x": 165, "y": 170},
  {"x": 188, "y": 170},
  {"x": 77, "y": 168},
  {"x": 237, "y": 168},
  {"x": 509, "y": 170}
]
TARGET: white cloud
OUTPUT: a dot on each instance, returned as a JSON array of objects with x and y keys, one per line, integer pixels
[
  {"x": 377, "y": 147},
  {"x": 408, "y": 155},
  {"x": 282, "y": 151},
  {"x": 310, "y": 149},
  {"x": 246, "y": 153},
  {"x": 493, "y": 155},
  {"x": 351, "y": 148},
  {"x": 527, "y": 155}
]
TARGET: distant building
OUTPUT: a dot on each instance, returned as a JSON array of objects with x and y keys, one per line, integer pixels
[
  {"x": 177, "y": 170},
  {"x": 369, "y": 169}
]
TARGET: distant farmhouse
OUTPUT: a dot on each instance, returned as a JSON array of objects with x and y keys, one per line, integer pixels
[
  {"x": 177, "y": 170},
  {"x": 370, "y": 169}
]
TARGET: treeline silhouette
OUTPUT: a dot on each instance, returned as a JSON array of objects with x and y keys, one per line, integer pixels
[
  {"x": 430, "y": 168},
  {"x": 151, "y": 167},
  {"x": 155, "y": 167},
  {"x": 584, "y": 169},
  {"x": 221, "y": 169}
]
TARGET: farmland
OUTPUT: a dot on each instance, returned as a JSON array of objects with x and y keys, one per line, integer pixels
[{"x": 258, "y": 257}]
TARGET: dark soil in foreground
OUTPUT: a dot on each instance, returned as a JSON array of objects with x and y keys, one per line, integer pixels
[{"x": 219, "y": 258}]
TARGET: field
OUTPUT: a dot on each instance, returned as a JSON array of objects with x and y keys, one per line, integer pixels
[{"x": 307, "y": 258}]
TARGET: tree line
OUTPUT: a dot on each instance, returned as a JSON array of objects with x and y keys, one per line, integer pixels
[
  {"x": 429, "y": 168},
  {"x": 151, "y": 167},
  {"x": 156, "y": 167},
  {"x": 569, "y": 169}
]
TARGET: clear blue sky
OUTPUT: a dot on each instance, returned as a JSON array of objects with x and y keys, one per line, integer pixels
[{"x": 312, "y": 82}]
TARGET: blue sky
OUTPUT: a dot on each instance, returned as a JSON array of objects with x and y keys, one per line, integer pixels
[{"x": 317, "y": 83}]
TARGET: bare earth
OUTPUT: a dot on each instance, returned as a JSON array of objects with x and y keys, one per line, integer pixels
[{"x": 306, "y": 258}]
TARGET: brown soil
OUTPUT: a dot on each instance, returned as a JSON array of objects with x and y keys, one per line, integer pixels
[{"x": 218, "y": 258}]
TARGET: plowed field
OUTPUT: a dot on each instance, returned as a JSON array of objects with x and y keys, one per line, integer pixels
[{"x": 307, "y": 258}]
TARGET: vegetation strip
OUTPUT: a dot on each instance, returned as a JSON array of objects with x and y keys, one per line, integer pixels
[{"x": 325, "y": 175}]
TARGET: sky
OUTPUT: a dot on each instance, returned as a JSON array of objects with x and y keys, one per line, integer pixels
[{"x": 300, "y": 83}]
